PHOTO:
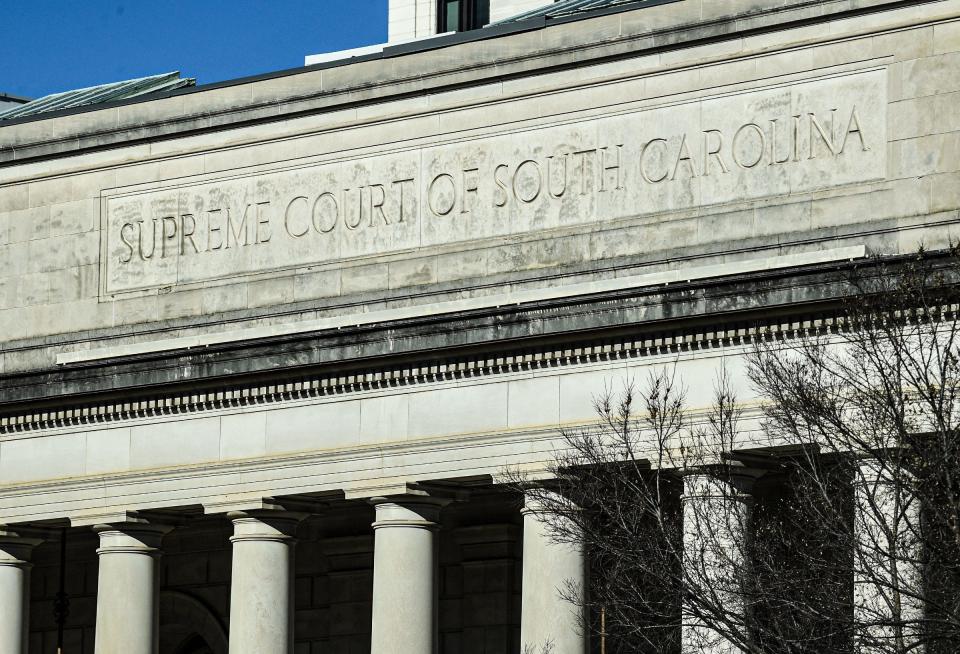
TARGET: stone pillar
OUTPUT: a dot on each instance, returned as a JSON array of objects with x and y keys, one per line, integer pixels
[
  {"x": 716, "y": 516},
  {"x": 15, "y": 567},
  {"x": 549, "y": 621},
  {"x": 888, "y": 580},
  {"x": 261, "y": 587},
  {"x": 128, "y": 593},
  {"x": 405, "y": 575}
]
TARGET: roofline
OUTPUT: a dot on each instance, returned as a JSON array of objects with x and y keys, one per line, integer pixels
[
  {"x": 7, "y": 97},
  {"x": 97, "y": 94},
  {"x": 388, "y": 52},
  {"x": 446, "y": 40}
]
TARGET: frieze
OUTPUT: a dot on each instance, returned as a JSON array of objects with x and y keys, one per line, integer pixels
[
  {"x": 300, "y": 387},
  {"x": 776, "y": 141}
]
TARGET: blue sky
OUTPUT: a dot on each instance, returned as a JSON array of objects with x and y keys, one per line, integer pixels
[{"x": 57, "y": 45}]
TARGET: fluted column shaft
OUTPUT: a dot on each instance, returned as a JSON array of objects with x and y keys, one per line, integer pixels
[
  {"x": 261, "y": 587},
  {"x": 551, "y": 572},
  {"x": 128, "y": 589},
  {"x": 15, "y": 591},
  {"x": 405, "y": 576}
]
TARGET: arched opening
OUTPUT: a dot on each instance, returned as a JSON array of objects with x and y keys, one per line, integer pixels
[{"x": 188, "y": 626}]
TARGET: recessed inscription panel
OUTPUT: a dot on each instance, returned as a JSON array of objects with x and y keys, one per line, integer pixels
[{"x": 777, "y": 141}]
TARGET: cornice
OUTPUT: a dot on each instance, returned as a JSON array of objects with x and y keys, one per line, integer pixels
[
  {"x": 632, "y": 324},
  {"x": 484, "y": 365},
  {"x": 384, "y": 81}
]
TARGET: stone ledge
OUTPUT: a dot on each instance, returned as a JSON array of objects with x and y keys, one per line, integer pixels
[
  {"x": 233, "y": 104},
  {"x": 621, "y": 327},
  {"x": 489, "y": 302}
]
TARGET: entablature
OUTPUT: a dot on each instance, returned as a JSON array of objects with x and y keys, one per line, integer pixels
[{"x": 629, "y": 324}]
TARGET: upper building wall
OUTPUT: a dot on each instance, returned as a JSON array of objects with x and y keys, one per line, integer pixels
[
  {"x": 502, "y": 9},
  {"x": 526, "y": 162},
  {"x": 411, "y": 19},
  {"x": 417, "y": 19}
]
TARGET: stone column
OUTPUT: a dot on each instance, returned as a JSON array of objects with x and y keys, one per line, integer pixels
[
  {"x": 716, "y": 516},
  {"x": 549, "y": 621},
  {"x": 128, "y": 588},
  {"x": 261, "y": 587},
  {"x": 888, "y": 580},
  {"x": 15, "y": 567},
  {"x": 405, "y": 575}
]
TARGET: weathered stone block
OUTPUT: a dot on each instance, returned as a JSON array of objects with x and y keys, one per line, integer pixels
[
  {"x": 946, "y": 37},
  {"x": 270, "y": 292},
  {"x": 931, "y": 75},
  {"x": 107, "y": 451},
  {"x": 60, "y": 252},
  {"x": 360, "y": 279},
  {"x": 904, "y": 44},
  {"x": 945, "y": 193},
  {"x": 317, "y": 427},
  {"x": 228, "y": 297},
  {"x": 413, "y": 272},
  {"x": 534, "y": 402},
  {"x": 384, "y": 419},
  {"x": 50, "y": 457},
  {"x": 180, "y": 303},
  {"x": 462, "y": 265},
  {"x": 175, "y": 443},
  {"x": 459, "y": 410},
  {"x": 914, "y": 117},
  {"x": 135, "y": 310},
  {"x": 319, "y": 284}
]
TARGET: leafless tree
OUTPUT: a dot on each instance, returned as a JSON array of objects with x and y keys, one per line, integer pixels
[
  {"x": 836, "y": 528},
  {"x": 877, "y": 394}
]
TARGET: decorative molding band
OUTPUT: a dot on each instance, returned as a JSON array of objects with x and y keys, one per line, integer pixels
[
  {"x": 301, "y": 386},
  {"x": 509, "y": 298}
]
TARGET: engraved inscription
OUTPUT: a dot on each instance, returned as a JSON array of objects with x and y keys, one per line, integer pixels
[{"x": 776, "y": 141}]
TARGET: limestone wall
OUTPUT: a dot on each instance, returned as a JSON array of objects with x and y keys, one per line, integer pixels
[
  {"x": 793, "y": 140},
  {"x": 798, "y": 141}
]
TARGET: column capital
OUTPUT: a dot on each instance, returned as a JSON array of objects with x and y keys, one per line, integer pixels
[
  {"x": 131, "y": 538},
  {"x": 714, "y": 481},
  {"x": 417, "y": 511},
  {"x": 264, "y": 525},
  {"x": 533, "y": 503},
  {"x": 874, "y": 471},
  {"x": 16, "y": 549}
]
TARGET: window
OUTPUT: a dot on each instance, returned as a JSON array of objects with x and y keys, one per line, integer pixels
[{"x": 462, "y": 15}]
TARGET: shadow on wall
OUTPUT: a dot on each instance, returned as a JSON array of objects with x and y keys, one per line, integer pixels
[{"x": 188, "y": 626}]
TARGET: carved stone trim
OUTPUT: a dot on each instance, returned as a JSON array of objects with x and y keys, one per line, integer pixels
[{"x": 392, "y": 376}]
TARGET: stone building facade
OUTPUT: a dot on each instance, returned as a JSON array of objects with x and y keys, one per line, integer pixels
[{"x": 268, "y": 346}]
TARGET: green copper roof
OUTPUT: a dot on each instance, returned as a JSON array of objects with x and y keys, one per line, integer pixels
[
  {"x": 563, "y": 8},
  {"x": 98, "y": 94}
]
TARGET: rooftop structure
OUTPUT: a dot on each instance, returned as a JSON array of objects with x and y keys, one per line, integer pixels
[
  {"x": 99, "y": 94},
  {"x": 570, "y": 8},
  {"x": 8, "y": 101},
  {"x": 416, "y": 19}
]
